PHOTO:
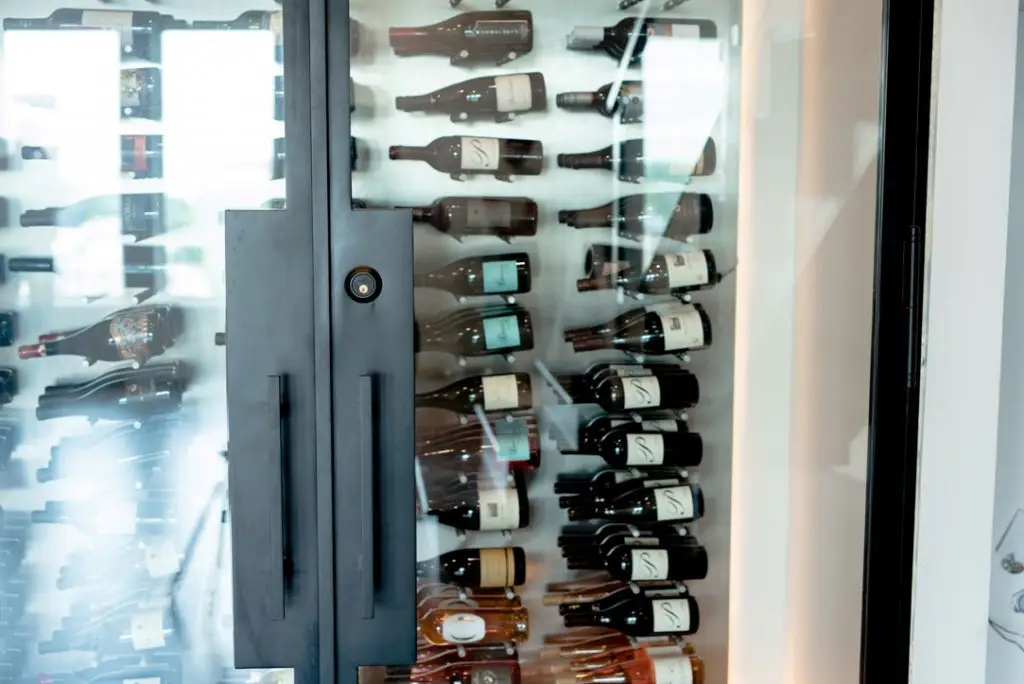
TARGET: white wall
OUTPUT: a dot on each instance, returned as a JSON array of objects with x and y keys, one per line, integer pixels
[{"x": 972, "y": 124}]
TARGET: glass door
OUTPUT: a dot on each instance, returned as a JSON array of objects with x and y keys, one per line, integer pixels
[{"x": 120, "y": 157}]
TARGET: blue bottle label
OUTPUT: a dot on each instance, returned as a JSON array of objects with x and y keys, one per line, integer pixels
[
  {"x": 501, "y": 332},
  {"x": 513, "y": 440},
  {"x": 500, "y": 276}
]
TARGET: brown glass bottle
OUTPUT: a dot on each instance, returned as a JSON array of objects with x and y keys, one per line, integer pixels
[
  {"x": 462, "y": 156},
  {"x": 627, "y": 101},
  {"x": 632, "y": 165},
  {"x": 671, "y": 332},
  {"x": 492, "y": 393},
  {"x": 614, "y": 40},
  {"x": 644, "y": 617},
  {"x": 663, "y": 215},
  {"x": 503, "y": 567},
  {"x": 469, "y": 37},
  {"x": 496, "y": 274},
  {"x": 634, "y": 271},
  {"x": 478, "y": 332},
  {"x": 504, "y": 217},
  {"x": 501, "y": 98}
]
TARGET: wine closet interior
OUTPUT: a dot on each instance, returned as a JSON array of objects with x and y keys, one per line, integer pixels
[{"x": 575, "y": 250}]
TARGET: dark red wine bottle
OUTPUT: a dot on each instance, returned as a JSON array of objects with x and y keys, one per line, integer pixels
[
  {"x": 620, "y": 448},
  {"x": 614, "y": 40},
  {"x": 142, "y": 215},
  {"x": 478, "y": 332},
  {"x": 461, "y": 156},
  {"x": 498, "y": 274},
  {"x": 497, "y": 37},
  {"x": 627, "y": 101},
  {"x": 140, "y": 31},
  {"x": 650, "y": 477},
  {"x": 504, "y": 217},
  {"x": 665, "y": 391},
  {"x": 626, "y": 593},
  {"x": 504, "y": 508},
  {"x": 657, "y": 333},
  {"x": 628, "y": 160},
  {"x": 141, "y": 94},
  {"x": 135, "y": 335},
  {"x": 601, "y": 482},
  {"x": 477, "y": 568},
  {"x": 679, "y": 503},
  {"x": 254, "y": 20},
  {"x": 500, "y": 98},
  {"x": 679, "y": 563},
  {"x": 637, "y": 271},
  {"x": 621, "y": 322},
  {"x": 591, "y": 433},
  {"x": 123, "y": 394},
  {"x": 643, "y": 616},
  {"x": 471, "y": 448},
  {"x": 505, "y": 392},
  {"x": 663, "y": 215}
]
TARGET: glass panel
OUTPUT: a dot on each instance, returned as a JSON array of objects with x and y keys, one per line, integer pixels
[
  {"x": 620, "y": 322},
  {"x": 120, "y": 156}
]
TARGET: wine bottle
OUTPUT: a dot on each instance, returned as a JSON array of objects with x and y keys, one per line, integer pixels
[
  {"x": 678, "y": 390},
  {"x": 628, "y": 160},
  {"x": 478, "y": 332},
  {"x": 121, "y": 394},
  {"x": 620, "y": 322},
  {"x": 494, "y": 509},
  {"x": 592, "y": 557},
  {"x": 279, "y": 101},
  {"x": 480, "y": 568},
  {"x": 680, "y": 449},
  {"x": 614, "y": 40},
  {"x": 469, "y": 448},
  {"x": 135, "y": 335},
  {"x": 658, "y": 650},
  {"x": 596, "y": 483},
  {"x": 625, "y": 99},
  {"x": 133, "y": 564},
  {"x": 254, "y": 20},
  {"x": 142, "y": 156},
  {"x": 461, "y": 156},
  {"x": 469, "y": 37},
  {"x": 497, "y": 274},
  {"x": 635, "y": 270},
  {"x": 142, "y": 215},
  {"x": 679, "y": 563},
  {"x": 591, "y": 433},
  {"x": 642, "y": 668},
  {"x": 497, "y": 97},
  {"x": 663, "y": 215},
  {"x": 681, "y": 503},
  {"x": 504, "y": 217},
  {"x": 644, "y": 617},
  {"x": 658, "y": 333},
  {"x": 140, "y": 31},
  {"x": 144, "y": 630},
  {"x": 140, "y": 94},
  {"x": 484, "y": 626},
  {"x": 619, "y": 594},
  {"x": 503, "y": 671},
  {"x": 492, "y": 393},
  {"x": 126, "y": 452},
  {"x": 584, "y": 537},
  {"x": 662, "y": 477}
]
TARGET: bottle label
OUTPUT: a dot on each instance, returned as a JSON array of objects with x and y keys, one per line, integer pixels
[
  {"x": 481, "y": 154},
  {"x": 641, "y": 393},
  {"x": 629, "y": 371},
  {"x": 497, "y": 568},
  {"x": 621, "y": 476},
  {"x": 683, "y": 330},
  {"x": 501, "y": 276},
  {"x": 112, "y": 19},
  {"x": 672, "y": 669},
  {"x": 671, "y": 615},
  {"x": 649, "y": 564},
  {"x": 501, "y": 332},
  {"x": 668, "y": 425},
  {"x": 131, "y": 335},
  {"x": 492, "y": 674},
  {"x": 133, "y": 84},
  {"x": 463, "y": 628},
  {"x": 116, "y": 518},
  {"x": 483, "y": 214},
  {"x": 631, "y": 102},
  {"x": 674, "y": 503},
  {"x": 501, "y": 392},
  {"x": 161, "y": 558},
  {"x": 148, "y": 630},
  {"x": 687, "y": 270},
  {"x": 657, "y": 28},
  {"x": 514, "y": 93},
  {"x": 500, "y": 30},
  {"x": 645, "y": 449},
  {"x": 499, "y": 509},
  {"x": 136, "y": 161},
  {"x": 513, "y": 441}
]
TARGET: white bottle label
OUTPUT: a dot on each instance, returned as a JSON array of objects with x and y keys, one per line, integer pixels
[
  {"x": 491, "y": 673},
  {"x": 148, "y": 630},
  {"x": 645, "y": 449},
  {"x": 671, "y": 615},
  {"x": 688, "y": 269},
  {"x": 649, "y": 564},
  {"x": 501, "y": 332},
  {"x": 481, "y": 154},
  {"x": 514, "y": 93},
  {"x": 499, "y": 509},
  {"x": 672, "y": 669},
  {"x": 513, "y": 441},
  {"x": 683, "y": 330},
  {"x": 501, "y": 392},
  {"x": 674, "y": 503},
  {"x": 627, "y": 475},
  {"x": 668, "y": 425},
  {"x": 501, "y": 276},
  {"x": 483, "y": 214},
  {"x": 463, "y": 628},
  {"x": 161, "y": 558},
  {"x": 112, "y": 19},
  {"x": 641, "y": 392}
]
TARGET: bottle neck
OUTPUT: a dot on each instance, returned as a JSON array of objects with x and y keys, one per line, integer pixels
[
  {"x": 591, "y": 284},
  {"x": 38, "y": 351},
  {"x": 578, "y": 100},
  {"x": 592, "y": 343},
  {"x": 27, "y": 23},
  {"x": 414, "y": 103},
  {"x": 428, "y": 569},
  {"x": 599, "y": 217},
  {"x": 407, "y": 38},
  {"x": 423, "y": 214},
  {"x": 408, "y": 152},
  {"x": 39, "y": 217},
  {"x": 589, "y": 160}
]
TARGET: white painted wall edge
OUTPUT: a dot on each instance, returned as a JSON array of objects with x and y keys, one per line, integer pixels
[{"x": 973, "y": 96}]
